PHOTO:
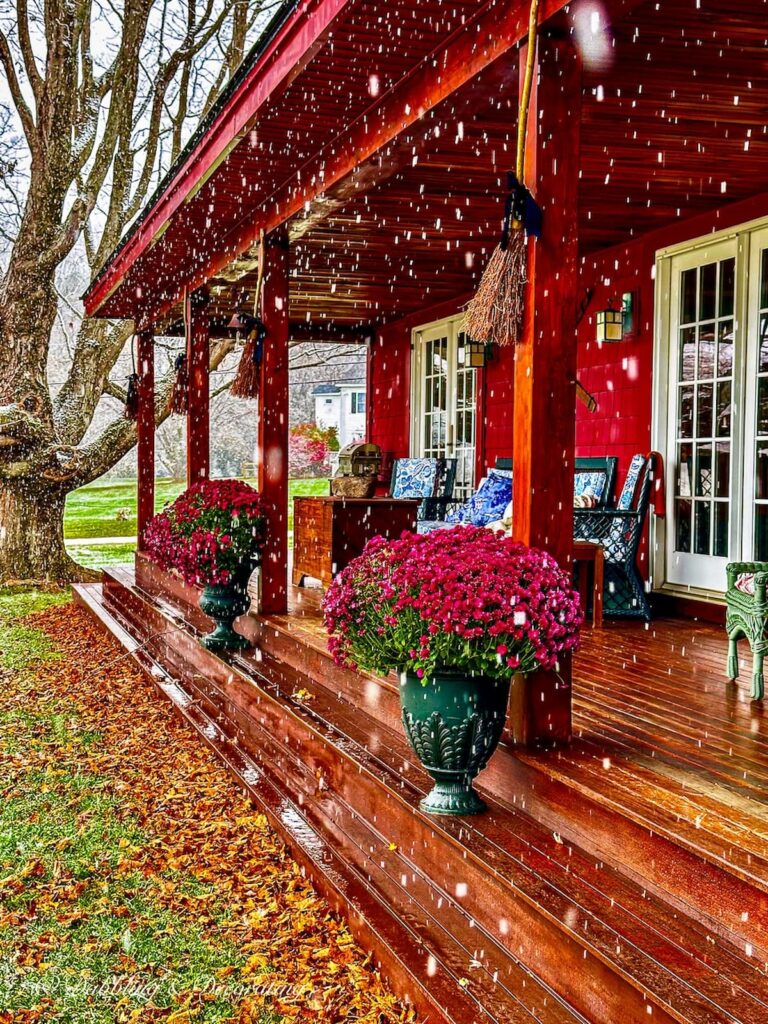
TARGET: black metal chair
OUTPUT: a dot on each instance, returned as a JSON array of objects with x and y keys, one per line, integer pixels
[
  {"x": 619, "y": 531},
  {"x": 432, "y": 480}
]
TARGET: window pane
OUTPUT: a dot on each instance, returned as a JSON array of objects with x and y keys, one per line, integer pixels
[
  {"x": 706, "y": 352},
  {"x": 762, "y": 406},
  {"x": 707, "y": 291},
  {"x": 684, "y": 470},
  {"x": 725, "y": 350},
  {"x": 761, "y": 533},
  {"x": 763, "y": 344},
  {"x": 721, "y": 529},
  {"x": 685, "y": 412},
  {"x": 723, "y": 410},
  {"x": 703, "y": 470},
  {"x": 688, "y": 296},
  {"x": 701, "y": 525},
  {"x": 722, "y": 469},
  {"x": 683, "y": 526},
  {"x": 761, "y": 469},
  {"x": 704, "y": 410},
  {"x": 687, "y": 369},
  {"x": 701, "y": 522},
  {"x": 764, "y": 279},
  {"x": 727, "y": 275}
]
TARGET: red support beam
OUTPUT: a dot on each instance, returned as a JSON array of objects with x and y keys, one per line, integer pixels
[
  {"x": 273, "y": 425},
  {"x": 545, "y": 363},
  {"x": 145, "y": 431},
  {"x": 198, "y": 413}
]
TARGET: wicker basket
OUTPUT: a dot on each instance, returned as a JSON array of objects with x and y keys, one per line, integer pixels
[{"x": 354, "y": 486}]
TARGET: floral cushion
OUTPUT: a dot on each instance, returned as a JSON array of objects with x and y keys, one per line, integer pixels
[
  {"x": 588, "y": 485},
  {"x": 627, "y": 496},
  {"x": 415, "y": 478},
  {"x": 745, "y": 582},
  {"x": 487, "y": 504},
  {"x": 504, "y": 524}
]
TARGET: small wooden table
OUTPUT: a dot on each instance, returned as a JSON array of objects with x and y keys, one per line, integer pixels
[
  {"x": 329, "y": 532},
  {"x": 584, "y": 551}
]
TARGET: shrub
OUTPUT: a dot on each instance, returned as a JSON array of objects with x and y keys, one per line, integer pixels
[
  {"x": 208, "y": 531},
  {"x": 464, "y": 598}
]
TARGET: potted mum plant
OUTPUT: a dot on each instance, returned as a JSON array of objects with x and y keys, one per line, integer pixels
[
  {"x": 211, "y": 536},
  {"x": 456, "y": 613}
]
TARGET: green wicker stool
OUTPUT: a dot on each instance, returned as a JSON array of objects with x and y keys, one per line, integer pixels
[{"x": 746, "y": 615}]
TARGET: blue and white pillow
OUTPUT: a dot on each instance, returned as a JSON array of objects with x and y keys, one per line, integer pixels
[
  {"x": 589, "y": 483},
  {"x": 415, "y": 478},
  {"x": 487, "y": 504}
]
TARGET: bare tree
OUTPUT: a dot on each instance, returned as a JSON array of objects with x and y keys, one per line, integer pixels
[{"x": 104, "y": 94}]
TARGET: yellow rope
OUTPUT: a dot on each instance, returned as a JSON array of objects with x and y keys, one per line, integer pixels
[
  {"x": 260, "y": 277},
  {"x": 525, "y": 98}
]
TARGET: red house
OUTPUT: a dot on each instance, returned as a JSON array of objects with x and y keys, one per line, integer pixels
[{"x": 623, "y": 875}]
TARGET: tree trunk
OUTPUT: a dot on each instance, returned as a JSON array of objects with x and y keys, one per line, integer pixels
[{"x": 32, "y": 535}]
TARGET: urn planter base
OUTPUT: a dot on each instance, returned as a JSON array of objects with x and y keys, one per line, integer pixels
[
  {"x": 454, "y": 724},
  {"x": 224, "y": 603}
]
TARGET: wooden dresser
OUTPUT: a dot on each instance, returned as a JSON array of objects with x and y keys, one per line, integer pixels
[{"x": 329, "y": 532}]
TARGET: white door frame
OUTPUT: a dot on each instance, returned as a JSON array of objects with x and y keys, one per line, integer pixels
[
  {"x": 449, "y": 328},
  {"x": 746, "y": 241}
]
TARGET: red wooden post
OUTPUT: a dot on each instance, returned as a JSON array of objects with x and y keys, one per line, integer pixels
[
  {"x": 545, "y": 362},
  {"x": 273, "y": 425},
  {"x": 145, "y": 432},
  {"x": 198, "y": 424}
]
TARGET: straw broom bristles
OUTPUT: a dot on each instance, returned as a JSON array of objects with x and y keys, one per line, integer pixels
[
  {"x": 248, "y": 379},
  {"x": 495, "y": 314}
]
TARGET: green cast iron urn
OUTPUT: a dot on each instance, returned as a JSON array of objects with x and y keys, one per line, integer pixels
[
  {"x": 224, "y": 603},
  {"x": 454, "y": 724}
]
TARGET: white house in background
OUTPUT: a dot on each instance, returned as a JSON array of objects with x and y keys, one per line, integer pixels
[{"x": 342, "y": 406}]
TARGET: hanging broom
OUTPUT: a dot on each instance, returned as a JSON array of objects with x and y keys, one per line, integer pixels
[
  {"x": 247, "y": 381},
  {"x": 495, "y": 314},
  {"x": 131, "y": 410}
]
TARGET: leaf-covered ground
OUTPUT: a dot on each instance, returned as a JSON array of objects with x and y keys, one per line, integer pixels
[{"x": 137, "y": 882}]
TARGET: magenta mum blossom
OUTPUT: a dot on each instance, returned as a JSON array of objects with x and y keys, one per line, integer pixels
[
  {"x": 208, "y": 531},
  {"x": 463, "y": 598}
]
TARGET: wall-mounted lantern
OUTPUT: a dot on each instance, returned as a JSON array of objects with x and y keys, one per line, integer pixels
[
  {"x": 477, "y": 353},
  {"x": 616, "y": 323}
]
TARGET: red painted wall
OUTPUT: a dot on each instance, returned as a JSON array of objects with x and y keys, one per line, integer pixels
[{"x": 619, "y": 376}]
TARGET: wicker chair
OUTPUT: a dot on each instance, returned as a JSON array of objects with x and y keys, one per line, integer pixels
[
  {"x": 619, "y": 531},
  {"x": 746, "y": 615}
]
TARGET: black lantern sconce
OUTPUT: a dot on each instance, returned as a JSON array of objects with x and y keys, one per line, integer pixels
[
  {"x": 617, "y": 324},
  {"x": 478, "y": 353}
]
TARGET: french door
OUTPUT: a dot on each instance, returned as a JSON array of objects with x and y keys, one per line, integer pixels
[
  {"x": 444, "y": 400},
  {"x": 717, "y": 408}
]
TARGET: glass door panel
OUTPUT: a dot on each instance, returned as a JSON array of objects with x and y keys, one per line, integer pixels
[
  {"x": 445, "y": 400},
  {"x": 702, "y": 339}
]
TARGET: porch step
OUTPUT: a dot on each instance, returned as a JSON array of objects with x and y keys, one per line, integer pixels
[
  {"x": 658, "y": 823},
  {"x": 428, "y": 962},
  {"x": 522, "y": 920}
]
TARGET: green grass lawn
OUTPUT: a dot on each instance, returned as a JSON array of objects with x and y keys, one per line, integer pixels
[
  {"x": 137, "y": 882},
  {"x": 107, "y": 508}
]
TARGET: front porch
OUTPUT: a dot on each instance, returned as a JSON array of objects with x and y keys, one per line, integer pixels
[{"x": 623, "y": 876}]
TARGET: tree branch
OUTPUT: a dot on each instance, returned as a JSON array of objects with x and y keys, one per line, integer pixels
[{"x": 14, "y": 87}]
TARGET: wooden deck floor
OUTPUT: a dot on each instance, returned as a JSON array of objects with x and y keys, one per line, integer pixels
[
  {"x": 658, "y": 732},
  {"x": 631, "y": 864}
]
